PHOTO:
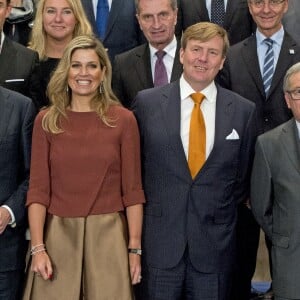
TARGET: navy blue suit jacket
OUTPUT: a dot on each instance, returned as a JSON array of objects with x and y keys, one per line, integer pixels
[
  {"x": 180, "y": 211},
  {"x": 16, "y": 120},
  {"x": 123, "y": 31}
]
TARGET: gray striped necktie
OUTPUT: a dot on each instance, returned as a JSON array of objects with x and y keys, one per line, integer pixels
[{"x": 268, "y": 69}]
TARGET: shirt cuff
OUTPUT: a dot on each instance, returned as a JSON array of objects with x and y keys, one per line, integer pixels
[{"x": 12, "y": 222}]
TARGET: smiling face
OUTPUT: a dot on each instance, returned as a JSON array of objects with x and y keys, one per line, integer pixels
[
  {"x": 58, "y": 20},
  {"x": 268, "y": 17},
  {"x": 157, "y": 20},
  {"x": 85, "y": 74},
  {"x": 202, "y": 61}
]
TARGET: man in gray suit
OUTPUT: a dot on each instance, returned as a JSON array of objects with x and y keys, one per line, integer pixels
[
  {"x": 134, "y": 70},
  {"x": 122, "y": 30},
  {"x": 16, "y": 120},
  {"x": 193, "y": 186},
  {"x": 243, "y": 73},
  {"x": 275, "y": 192}
]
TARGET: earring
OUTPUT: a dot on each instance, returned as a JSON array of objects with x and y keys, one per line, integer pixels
[
  {"x": 101, "y": 88},
  {"x": 67, "y": 89}
]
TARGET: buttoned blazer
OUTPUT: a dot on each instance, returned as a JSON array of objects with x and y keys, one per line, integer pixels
[
  {"x": 238, "y": 21},
  {"x": 275, "y": 202},
  {"x": 180, "y": 211},
  {"x": 241, "y": 74},
  {"x": 16, "y": 120},
  {"x": 132, "y": 73},
  {"x": 19, "y": 70},
  {"x": 123, "y": 31}
]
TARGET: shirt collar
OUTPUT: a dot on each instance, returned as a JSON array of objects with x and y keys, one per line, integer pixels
[
  {"x": 170, "y": 49},
  {"x": 298, "y": 127},
  {"x": 277, "y": 37},
  {"x": 210, "y": 92}
]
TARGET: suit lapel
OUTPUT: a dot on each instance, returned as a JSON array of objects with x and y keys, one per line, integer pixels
[
  {"x": 249, "y": 53},
  {"x": 285, "y": 60},
  {"x": 7, "y": 55},
  {"x": 200, "y": 7},
  {"x": 143, "y": 66},
  {"x": 290, "y": 142},
  {"x": 170, "y": 106},
  {"x": 223, "y": 122},
  {"x": 177, "y": 66},
  {"x": 231, "y": 8},
  {"x": 116, "y": 7}
]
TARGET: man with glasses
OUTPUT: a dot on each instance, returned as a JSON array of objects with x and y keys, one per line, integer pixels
[
  {"x": 255, "y": 68},
  {"x": 275, "y": 190}
]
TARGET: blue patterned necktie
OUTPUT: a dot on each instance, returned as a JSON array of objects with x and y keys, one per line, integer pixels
[
  {"x": 268, "y": 69},
  {"x": 217, "y": 12},
  {"x": 102, "y": 17},
  {"x": 160, "y": 72}
]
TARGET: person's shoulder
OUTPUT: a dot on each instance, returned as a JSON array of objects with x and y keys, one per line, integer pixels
[
  {"x": 22, "y": 49},
  {"x": 130, "y": 53},
  {"x": 236, "y": 98},
  {"x": 275, "y": 133},
  {"x": 14, "y": 97}
]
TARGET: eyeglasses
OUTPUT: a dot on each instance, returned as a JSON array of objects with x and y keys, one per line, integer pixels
[
  {"x": 261, "y": 3},
  {"x": 294, "y": 94}
]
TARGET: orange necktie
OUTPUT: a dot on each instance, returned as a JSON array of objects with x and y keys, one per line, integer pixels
[{"x": 197, "y": 136}]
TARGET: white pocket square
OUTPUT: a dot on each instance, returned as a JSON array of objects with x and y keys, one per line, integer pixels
[
  {"x": 233, "y": 135},
  {"x": 15, "y": 80}
]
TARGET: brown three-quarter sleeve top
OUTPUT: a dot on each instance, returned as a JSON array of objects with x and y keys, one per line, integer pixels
[{"x": 88, "y": 169}]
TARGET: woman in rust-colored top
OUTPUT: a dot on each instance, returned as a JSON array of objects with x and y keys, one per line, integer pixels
[{"x": 85, "y": 196}]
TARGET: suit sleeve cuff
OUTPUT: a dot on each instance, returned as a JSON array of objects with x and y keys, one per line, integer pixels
[{"x": 12, "y": 222}]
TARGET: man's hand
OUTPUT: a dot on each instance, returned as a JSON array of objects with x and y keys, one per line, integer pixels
[{"x": 4, "y": 218}]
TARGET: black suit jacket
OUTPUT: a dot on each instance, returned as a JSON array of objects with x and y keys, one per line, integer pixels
[
  {"x": 123, "y": 31},
  {"x": 132, "y": 73},
  {"x": 19, "y": 70},
  {"x": 238, "y": 21},
  {"x": 199, "y": 212},
  {"x": 16, "y": 121},
  {"x": 242, "y": 75}
]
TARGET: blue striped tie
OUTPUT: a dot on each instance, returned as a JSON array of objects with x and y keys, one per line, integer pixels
[
  {"x": 268, "y": 68},
  {"x": 102, "y": 17}
]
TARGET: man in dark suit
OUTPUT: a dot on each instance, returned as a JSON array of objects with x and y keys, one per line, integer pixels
[
  {"x": 122, "y": 29},
  {"x": 19, "y": 66},
  {"x": 237, "y": 21},
  {"x": 192, "y": 192},
  {"x": 275, "y": 190},
  {"x": 16, "y": 120},
  {"x": 134, "y": 70},
  {"x": 243, "y": 73}
]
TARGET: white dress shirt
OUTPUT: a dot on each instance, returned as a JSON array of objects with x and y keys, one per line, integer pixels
[
  {"x": 208, "y": 108},
  {"x": 168, "y": 59}
]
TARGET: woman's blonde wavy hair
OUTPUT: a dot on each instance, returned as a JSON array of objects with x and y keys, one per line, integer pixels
[
  {"x": 38, "y": 35},
  {"x": 60, "y": 94}
]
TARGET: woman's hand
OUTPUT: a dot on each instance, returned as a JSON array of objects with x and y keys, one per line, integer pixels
[
  {"x": 135, "y": 268},
  {"x": 41, "y": 265}
]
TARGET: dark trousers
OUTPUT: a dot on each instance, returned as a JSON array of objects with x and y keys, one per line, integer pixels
[
  {"x": 247, "y": 244},
  {"x": 11, "y": 284},
  {"x": 182, "y": 282}
]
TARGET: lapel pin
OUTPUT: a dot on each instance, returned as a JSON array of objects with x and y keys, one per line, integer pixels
[{"x": 292, "y": 51}]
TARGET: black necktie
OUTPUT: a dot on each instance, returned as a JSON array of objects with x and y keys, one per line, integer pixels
[{"x": 217, "y": 12}]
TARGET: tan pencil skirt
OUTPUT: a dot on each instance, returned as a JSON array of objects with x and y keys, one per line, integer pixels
[{"x": 90, "y": 260}]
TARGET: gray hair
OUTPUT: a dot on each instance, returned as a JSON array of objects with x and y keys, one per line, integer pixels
[
  {"x": 291, "y": 71},
  {"x": 173, "y": 4}
]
